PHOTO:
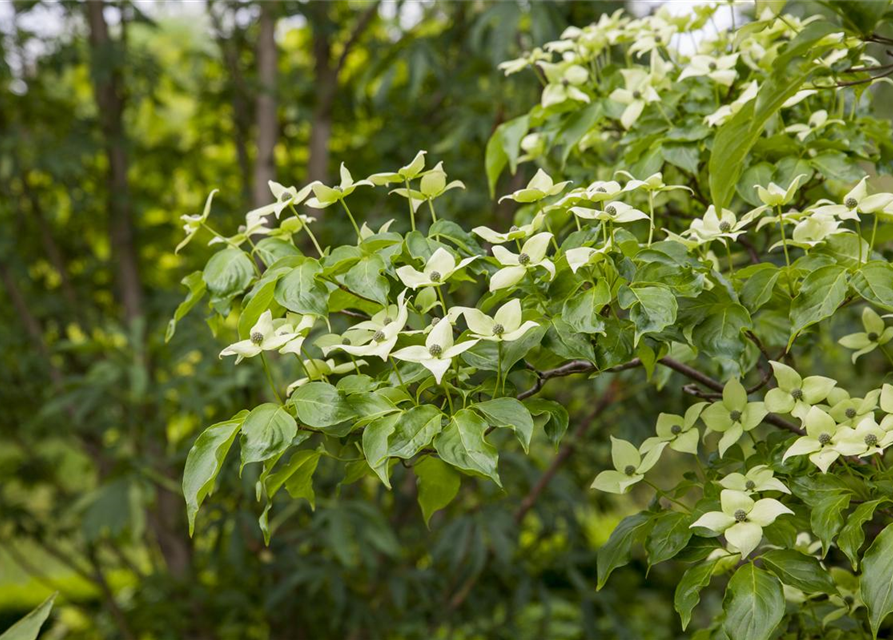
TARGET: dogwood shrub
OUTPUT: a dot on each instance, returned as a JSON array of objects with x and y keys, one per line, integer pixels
[{"x": 703, "y": 214}]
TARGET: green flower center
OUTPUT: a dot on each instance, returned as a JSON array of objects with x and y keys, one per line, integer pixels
[
  {"x": 345, "y": 341},
  {"x": 724, "y": 226},
  {"x": 850, "y": 413},
  {"x": 850, "y": 203},
  {"x": 873, "y": 336},
  {"x": 498, "y": 329},
  {"x": 637, "y": 95},
  {"x": 676, "y": 429},
  {"x": 871, "y": 440},
  {"x": 601, "y": 190},
  {"x": 435, "y": 350},
  {"x": 378, "y": 336},
  {"x": 435, "y": 276},
  {"x": 514, "y": 228},
  {"x": 285, "y": 197},
  {"x": 565, "y": 82},
  {"x": 735, "y": 416},
  {"x": 523, "y": 259},
  {"x": 741, "y": 515},
  {"x": 750, "y": 485},
  {"x": 824, "y": 438},
  {"x": 797, "y": 394},
  {"x": 387, "y": 321},
  {"x": 712, "y": 66},
  {"x": 629, "y": 470},
  {"x": 257, "y": 337},
  {"x": 611, "y": 210}
]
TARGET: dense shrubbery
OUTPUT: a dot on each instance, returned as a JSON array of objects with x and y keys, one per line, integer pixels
[{"x": 712, "y": 220}]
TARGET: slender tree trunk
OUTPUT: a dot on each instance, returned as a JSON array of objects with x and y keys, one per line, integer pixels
[
  {"x": 107, "y": 87},
  {"x": 267, "y": 125}
]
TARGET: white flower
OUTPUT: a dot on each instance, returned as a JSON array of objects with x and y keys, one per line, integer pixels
[
  {"x": 326, "y": 196},
  {"x": 439, "y": 350},
  {"x": 540, "y": 186},
  {"x": 726, "y": 111},
  {"x": 504, "y": 326},
  {"x": 582, "y": 256},
  {"x": 514, "y": 233},
  {"x": 719, "y": 69},
  {"x": 192, "y": 223},
  {"x": 265, "y": 335},
  {"x": 817, "y": 121},
  {"x": 433, "y": 183},
  {"x": 759, "y": 478},
  {"x": 677, "y": 431},
  {"x": 776, "y": 196},
  {"x": 515, "y": 266},
  {"x": 630, "y": 466},
  {"x": 855, "y": 202},
  {"x": 616, "y": 212},
  {"x": 741, "y": 519},
  {"x": 378, "y": 335},
  {"x": 869, "y": 436},
  {"x": 282, "y": 198},
  {"x": 794, "y": 394},
  {"x": 876, "y": 334},
  {"x": 440, "y": 266},
  {"x": 403, "y": 174},
  {"x": 813, "y": 230},
  {"x": 602, "y": 190},
  {"x": 638, "y": 92},
  {"x": 519, "y": 64},
  {"x": 712, "y": 226},
  {"x": 564, "y": 78},
  {"x": 654, "y": 183},
  {"x": 319, "y": 369},
  {"x": 824, "y": 441}
]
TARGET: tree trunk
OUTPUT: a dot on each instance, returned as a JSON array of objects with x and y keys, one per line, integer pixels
[
  {"x": 110, "y": 102},
  {"x": 267, "y": 125}
]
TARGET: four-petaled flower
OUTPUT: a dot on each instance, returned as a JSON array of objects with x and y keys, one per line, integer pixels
[
  {"x": 759, "y": 478},
  {"x": 817, "y": 120},
  {"x": 318, "y": 370},
  {"x": 869, "y": 436},
  {"x": 564, "y": 80},
  {"x": 630, "y": 466},
  {"x": 504, "y": 326},
  {"x": 440, "y": 266},
  {"x": 378, "y": 335},
  {"x": 742, "y": 519},
  {"x": 720, "y": 69},
  {"x": 824, "y": 441},
  {"x": 516, "y": 265},
  {"x": 776, "y": 196},
  {"x": 876, "y": 334},
  {"x": 638, "y": 92},
  {"x": 795, "y": 394},
  {"x": 677, "y": 431},
  {"x": 324, "y": 196},
  {"x": 514, "y": 233},
  {"x": 616, "y": 212},
  {"x": 439, "y": 350},
  {"x": 733, "y": 415},
  {"x": 855, "y": 202},
  {"x": 265, "y": 335},
  {"x": 540, "y": 186},
  {"x": 403, "y": 174}
]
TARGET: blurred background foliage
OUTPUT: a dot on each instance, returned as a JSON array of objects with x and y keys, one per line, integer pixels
[{"x": 118, "y": 118}]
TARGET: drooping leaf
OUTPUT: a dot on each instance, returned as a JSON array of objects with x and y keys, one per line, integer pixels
[
  {"x": 438, "y": 485},
  {"x": 28, "y": 627},
  {"x": 616, "y": 551},
  {"x": 462, "y": 444},
  {"x": 267, "y": 431},
  {"x": 754, "y": 604},
  {"x": 877, "y": 579}
]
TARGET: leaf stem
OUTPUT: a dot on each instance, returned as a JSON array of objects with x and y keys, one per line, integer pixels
[
  {"x": 263, "y": 359},
  {"x": 350, "y": 215},
  {"x": 784, "y": 245},
  {"x": 409, "y": 201}
]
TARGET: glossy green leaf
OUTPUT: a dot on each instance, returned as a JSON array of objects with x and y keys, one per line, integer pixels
[
  {"x": 463, "y": 445},
  {"x": 438, "y": 485},
  {"x": 753, "y": 605},
  {"x": 267, "y": 431}
]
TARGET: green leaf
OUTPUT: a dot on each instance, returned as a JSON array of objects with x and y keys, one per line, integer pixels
[
  {"x": 267, "y": 431},
  {"x": 877, "y": 578},
  {"x": 669, "y": 536},
  {"x": 552, "y": 415},
  {"x": 438, "y": 485},
  {"x": 504, "y": 148},
  {"x": 758, "y": 288},
  {"x": 835, "y": 165},
  {"x": 799, "y": 570},
  {"x": 821, "y": 293},
  {"x": 720, "y": 334},
  {"x": 301, "y": 292},
  {"x": 737, "y": 136},
  {"x": 754, "y": 604},
  {"x": 684, "y": 156},
  {"x": 228, "y": 272},
  {"x": 414, "y": 431},
  {"x": 375, "y": 446},
  {"x": 204, "y": 462},
  {"x": 583, "y": 312},
  {"x": 688, "y": 591},
  {"x": 365, "y": 279},
  {"x": 577, "y": 125},
  {"x": 827, "y": 517},
  {"x": 256, "y": 306},
  {"x": 462, "y": 444},
  {"x": 859, "y": 15},
  {"x": 509, "y": 413},
  {"x": 197, "y": 288},
  {"x": 851, "y": 535},
  {"x": 874, "y": 282},
  {"x": 652, "y": 308},
  {"x": 615, "y": 552},
  {"x": 565, "y": 341},
  {"x": 269, "y": 250},
  {"x": 319, "y": 404},
  {"x": 29, "y": 627}
]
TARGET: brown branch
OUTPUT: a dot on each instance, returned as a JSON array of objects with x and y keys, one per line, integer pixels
[{"x": 566, "y": 450}]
